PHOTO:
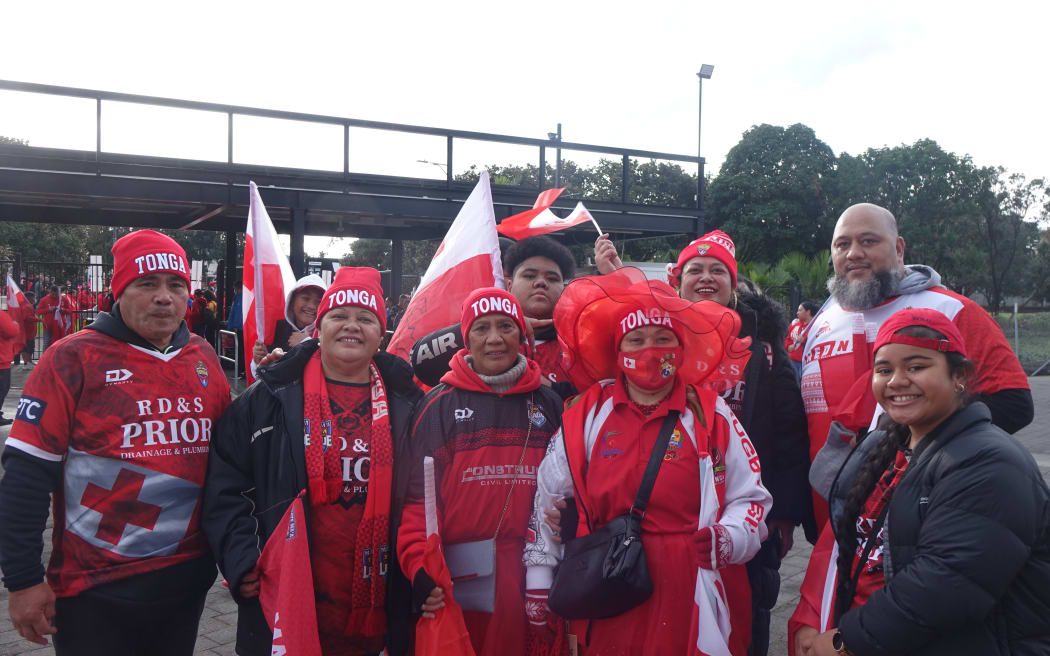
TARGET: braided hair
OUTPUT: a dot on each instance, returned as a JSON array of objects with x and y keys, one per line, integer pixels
[{"x": 878, "y": 460}]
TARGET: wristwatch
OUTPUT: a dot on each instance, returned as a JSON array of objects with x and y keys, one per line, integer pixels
[{"x": 838, "y": 645}]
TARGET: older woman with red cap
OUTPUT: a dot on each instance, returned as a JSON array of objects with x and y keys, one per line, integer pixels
[
  {"x": 643, "y": 355},
  {"x": 940, "y": 519},
  {"x": 487, "y": 426},
  {"x": 276, "y": 441}
]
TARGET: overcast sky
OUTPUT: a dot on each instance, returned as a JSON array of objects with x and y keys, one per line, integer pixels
[{"x": 972, "y": 76}]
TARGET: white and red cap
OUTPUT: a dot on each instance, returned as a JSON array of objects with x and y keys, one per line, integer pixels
[
  {"x": 927, "y": 318},
  {"x": 144, "y": 253},
  {"x": 354, "y": 286},
  {"x": 716, "y": 244}
]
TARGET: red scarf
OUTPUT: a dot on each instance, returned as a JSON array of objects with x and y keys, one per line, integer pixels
[{"x": 324, "y": 473}]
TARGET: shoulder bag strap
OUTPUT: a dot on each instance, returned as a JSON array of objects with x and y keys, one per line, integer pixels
[{"x": 641, "y": 502}]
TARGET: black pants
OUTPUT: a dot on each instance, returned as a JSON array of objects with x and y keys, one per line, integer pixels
[
  {"x": 5, "y": 386},
  {"x": 93, "y": 626},
  {"x": 763, "y": 573}
]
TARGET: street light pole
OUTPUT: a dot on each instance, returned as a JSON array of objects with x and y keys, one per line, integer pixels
[{"x": 705, "y": 74}]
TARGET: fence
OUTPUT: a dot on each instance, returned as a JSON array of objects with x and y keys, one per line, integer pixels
[{"x": 1029, "y": 335}]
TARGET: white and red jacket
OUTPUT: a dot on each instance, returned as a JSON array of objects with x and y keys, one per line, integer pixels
[{"x": 730, "y": 483}]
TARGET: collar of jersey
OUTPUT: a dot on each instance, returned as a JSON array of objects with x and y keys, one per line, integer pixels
[{"x": 112, "y": 324}]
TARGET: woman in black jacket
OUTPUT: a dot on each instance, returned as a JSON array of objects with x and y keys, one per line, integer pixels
[
  {"x": 943, "y": 524},
  {"x": 273, "y": 443}
]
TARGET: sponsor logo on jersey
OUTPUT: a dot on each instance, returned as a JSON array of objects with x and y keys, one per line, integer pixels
[
  {"x": 673, "y": 445},
  {"x": 536, "y": 415},
  {"x": 608, "y": 448},
  {"x": 30, "y": 409},
  {"x": 495, "y": 474},
  {"x": 202, "y": 373},
  {"x": 114, "y": 376},
  {"x": 824, "y": 327},
  {"x": 462, "y": 414}
]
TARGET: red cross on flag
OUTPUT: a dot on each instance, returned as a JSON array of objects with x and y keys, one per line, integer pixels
[
  {"x": 468, "y": 258},
  {"x": 124, "y": 508},
  {"x": 267, "y": 276}
]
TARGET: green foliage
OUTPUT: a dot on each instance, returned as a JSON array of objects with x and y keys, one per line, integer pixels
[
  {"x": 13, "y": 141},
  {"x": 770, "y": 193},
  {"x": 377, "y": 253}
]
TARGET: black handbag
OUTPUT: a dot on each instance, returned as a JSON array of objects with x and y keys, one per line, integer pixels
[{"x": 604, "y": 573}]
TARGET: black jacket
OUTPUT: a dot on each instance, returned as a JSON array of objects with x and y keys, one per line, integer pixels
[
  {"x": 257, "y": 467},
  {"x": 968, "y": 568},
  {"x": 773, "y": 415}
]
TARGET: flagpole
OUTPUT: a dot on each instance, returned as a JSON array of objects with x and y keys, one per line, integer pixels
[{"x": 596, "y": 226}]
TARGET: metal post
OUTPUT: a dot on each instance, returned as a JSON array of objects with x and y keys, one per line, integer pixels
[
  {"x": 542, "y": 176},
  {"x": 626, "y": 178},
  {"x": 448, "y": 162},
  {"x": 229, "y": 137},
  {"x": 298, "y": 259},
  {"x": 397, "y": 253},
  {"x": 699, "y": 163},
  {"x": 346, "y": 149},
  {"x": 557, "y": 168},
  {"x": 98, "y": 136},
  {"x": 1017, "y": 334}
]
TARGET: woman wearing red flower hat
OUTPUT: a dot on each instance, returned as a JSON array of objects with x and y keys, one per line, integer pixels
[
  {"x": 276, "y": 440},
  {"x": 940, "y": 519},
  {"x": 487, "y": 426},
  {"x": 643, "y": 354}
]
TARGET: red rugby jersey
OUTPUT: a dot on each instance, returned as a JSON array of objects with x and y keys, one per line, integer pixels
[{"x": 132, "y": 427}]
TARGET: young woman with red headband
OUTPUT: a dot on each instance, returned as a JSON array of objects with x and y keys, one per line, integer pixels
[
  {"x": 487, "y": 426},
  {"x": 640, "y": 352},
  {"x": 941, "y": 521}
]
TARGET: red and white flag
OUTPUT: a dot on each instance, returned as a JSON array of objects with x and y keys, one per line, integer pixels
[
  {"x": 468, "y": 258},
  {"x": 543, "y": 221},
  {"x": 816, "y": 604},
  {"x": 15, "y": 297},
  {"x": 267, "y": 276}
]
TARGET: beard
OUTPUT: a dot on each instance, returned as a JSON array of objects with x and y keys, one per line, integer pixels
[{"x": 864, "y": 294}]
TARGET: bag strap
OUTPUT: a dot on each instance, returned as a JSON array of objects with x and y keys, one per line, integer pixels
[{"x": 656, "y": 458}]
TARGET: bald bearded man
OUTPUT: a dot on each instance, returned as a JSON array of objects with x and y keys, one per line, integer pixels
[{"x": 871, "y": 282}]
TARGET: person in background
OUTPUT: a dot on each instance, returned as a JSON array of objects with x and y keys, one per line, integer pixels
[
  {"x": 300, "y": 313},
  {"x": 940, "y": 517},
  {"x": 28, "y": 322},
  {"x": 10, "y": 343},
  {"x": 794, "y": 340}
]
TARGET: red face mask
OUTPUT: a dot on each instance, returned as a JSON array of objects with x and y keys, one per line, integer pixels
[{"x": 653, "y": 367}]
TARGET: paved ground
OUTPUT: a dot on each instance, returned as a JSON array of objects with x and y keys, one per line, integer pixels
[{"x": 218, "y": 624}]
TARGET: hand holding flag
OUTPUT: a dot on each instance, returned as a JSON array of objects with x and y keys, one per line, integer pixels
[{"x": 267, "y": 277}]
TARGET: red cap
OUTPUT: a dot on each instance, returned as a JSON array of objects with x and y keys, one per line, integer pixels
[
  {"x": 716, "y": 244},
  {"x": 594, "y": 312},
  {"x": 491, "y": 300},
  {"x": 928, "y": 319},
  {"x": 355, "y": 286},
  {"x": 144, "y": 253}
]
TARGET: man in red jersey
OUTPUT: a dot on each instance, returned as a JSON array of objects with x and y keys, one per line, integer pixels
[
  {"x": 115, "y": 421},
  {"x": 871, "y": 282}
]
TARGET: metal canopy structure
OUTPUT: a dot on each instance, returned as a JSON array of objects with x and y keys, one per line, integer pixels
[{"x": 104, "y": 188}]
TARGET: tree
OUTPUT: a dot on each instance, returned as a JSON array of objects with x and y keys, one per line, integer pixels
[
  {"x": 13, "y": 141},
  {"x": 377, "y": 253},
  {"x": 770, "y": 194}
]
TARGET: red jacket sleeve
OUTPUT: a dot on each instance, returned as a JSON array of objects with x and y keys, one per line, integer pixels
[{"x": 997, "y": 366}]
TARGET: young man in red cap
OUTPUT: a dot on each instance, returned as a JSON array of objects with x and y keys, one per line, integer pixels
[{"x": 116, "y": 422}]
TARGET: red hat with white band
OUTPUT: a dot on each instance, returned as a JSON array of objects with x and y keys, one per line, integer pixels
[
  {"x": 144, "y": 253},
  {"x": 927, "y": 318},
  {"x": 357, "y": 287}
]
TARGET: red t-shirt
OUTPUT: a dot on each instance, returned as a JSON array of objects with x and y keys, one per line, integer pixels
[
  {"x": 872, "y": 576},
  {"x": 334, "y": 526},
  {"x": 132, "y": 428},
  {"x": 794, "y": 331},
  {"x": 548, "y": 356}
]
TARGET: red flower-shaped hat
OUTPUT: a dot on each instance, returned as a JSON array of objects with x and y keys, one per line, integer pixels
[{"x": 594, "y": 311}]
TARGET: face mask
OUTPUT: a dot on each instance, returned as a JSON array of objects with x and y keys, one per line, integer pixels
[{"x": 651, "y": 368}]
